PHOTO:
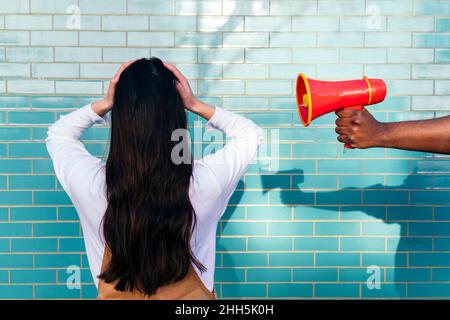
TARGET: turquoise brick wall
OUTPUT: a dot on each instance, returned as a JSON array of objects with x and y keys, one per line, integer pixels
[{"x": 306, "y": 222}]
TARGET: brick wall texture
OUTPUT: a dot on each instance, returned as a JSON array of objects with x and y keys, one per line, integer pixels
[{"x": 307, "y": 220}]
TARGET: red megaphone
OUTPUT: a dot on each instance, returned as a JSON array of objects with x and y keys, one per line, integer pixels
[{"x": 316, "y": 98}]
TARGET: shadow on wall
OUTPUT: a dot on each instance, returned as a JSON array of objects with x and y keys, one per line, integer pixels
[{"x": 392, "y": 205}]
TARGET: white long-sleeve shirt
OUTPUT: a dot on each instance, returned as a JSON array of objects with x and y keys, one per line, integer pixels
[{"x": 213, "y": 180}]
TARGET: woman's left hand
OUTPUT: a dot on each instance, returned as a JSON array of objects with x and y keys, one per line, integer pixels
[{"x": 103, "y": 106}]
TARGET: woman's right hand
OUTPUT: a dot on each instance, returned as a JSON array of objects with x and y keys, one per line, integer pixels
[{"x": 188, "y": 98}]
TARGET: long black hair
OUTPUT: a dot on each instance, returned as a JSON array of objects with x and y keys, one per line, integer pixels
[{"x": 149, "y": 219}]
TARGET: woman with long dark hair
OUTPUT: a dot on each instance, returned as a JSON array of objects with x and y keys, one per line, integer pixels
[{"x": 149, "y": 214}]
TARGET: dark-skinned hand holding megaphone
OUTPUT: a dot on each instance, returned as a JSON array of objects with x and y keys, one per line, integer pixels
[{"x": 356, "y": 127}]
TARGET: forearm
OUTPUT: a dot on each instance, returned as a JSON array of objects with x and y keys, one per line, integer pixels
[
  {"x": 425, "y": 135},
  {"x": 63, "y": 138},
  {"x": 101, "y": 107},
  {"x": 72, "y": 125},
  {"x": 202, "y": 109}
]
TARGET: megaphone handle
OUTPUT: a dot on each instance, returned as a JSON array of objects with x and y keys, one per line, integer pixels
[{"x": 346, "y": 145}]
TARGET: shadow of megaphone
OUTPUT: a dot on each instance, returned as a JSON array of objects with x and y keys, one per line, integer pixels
[{"x": 271, "y": 180}]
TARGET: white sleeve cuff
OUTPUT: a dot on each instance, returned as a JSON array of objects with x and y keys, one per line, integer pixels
[
  {"x": 215, "y": 119},
  {"x": 94, "y": 117}
]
